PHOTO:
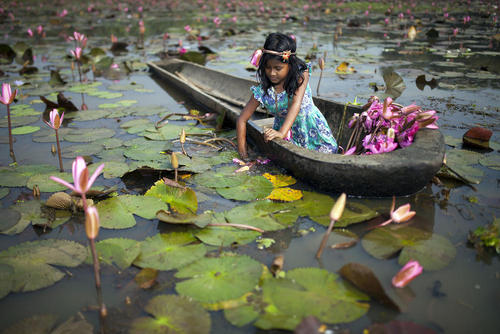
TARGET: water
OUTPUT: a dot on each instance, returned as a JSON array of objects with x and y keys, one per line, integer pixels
[{"x": 461, "y": 298}]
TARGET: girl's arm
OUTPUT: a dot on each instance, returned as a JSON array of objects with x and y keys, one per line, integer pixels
[
  {"x": 241, "y": 126},
  {"x": 293, "y": 111}
]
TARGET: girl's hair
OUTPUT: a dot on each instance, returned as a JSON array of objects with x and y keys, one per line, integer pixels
[{"x": 281, "y": 42}]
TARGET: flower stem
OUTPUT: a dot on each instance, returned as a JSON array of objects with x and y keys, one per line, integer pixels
[
  {"x": 11, "y": 145},
  {"x": 319, "y": 82},
  {"x": 325, "y": 239},
  {"x": 61, "y": 169},
  {"x": 79, "y": 71},
  {"x": 97, "y": 274}
]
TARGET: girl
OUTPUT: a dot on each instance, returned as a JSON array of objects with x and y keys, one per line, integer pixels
[{"x": 284, "y": 91}]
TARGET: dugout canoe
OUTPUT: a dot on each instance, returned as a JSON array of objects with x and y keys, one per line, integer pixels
[{"x": 401, "y": 172}]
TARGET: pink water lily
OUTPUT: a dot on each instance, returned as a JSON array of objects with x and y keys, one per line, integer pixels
[
  {"x": 80, "y": 177},
  {"x": 411, "y": 270},
  {"x": 402, "y": 214},
  {"x": 77, "y": 53},
  {"x": 7, "y": 96},
  {"x": 55, "y": 120}
]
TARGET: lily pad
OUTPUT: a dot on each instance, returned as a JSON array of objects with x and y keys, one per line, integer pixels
[
  {"x": 258, "y": 214},
  {"x": 85, "y": 87},
  {"x": 87, "y": 115},
  {"x": 23, "y": 110},
  {"x": 9, "y": 219},
  {"x": 151, "y": 110},
  {"x": 111, "y": 143},
  {"x": 147, "y": 151},
  {"x": 121, "y": 103},
  {"x": 23, "y": 130},
  {"x": 116, "y": 251},
  {"x": 491, "y": 161},
  {"x": 431, "y": 250},
  {"x": 226, "y": 236},
  {"x": 18, "y": 121},
  {"x": 169, "y": 251},
  {"x": 280, "y": 180},
  {"x": 222, "y": 177},
  {"x": 136, "y": 125},
  {"x": 143, "y": 206},
  {"x": 114, "y": 169},
  {"x": 180, "y": 200},
  {"x": 46, "y": 184},
  {"x": 32, "y": 262},
  {"x": 4, "y": 192},
  {"x": 173, "y": 131},
  {"x": 125, "y": 87},
  {"x": 104, "y": 94},
  {"x": 38, "y": 324},
  {"x": 17, "y": 176},
  {"x": 215, "y": 279},
  {"x": 353, "y": 213},
  {"x": 87, "y": 135},
  {"x": 113, "y": 214},
  {"x": 73, "y": 151},
  {"x": 254, "y": 187},
  {"x": 173, "y": 314},
  {"x": 285, "y": 194}
]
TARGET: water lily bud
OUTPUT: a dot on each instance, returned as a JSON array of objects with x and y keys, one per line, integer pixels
[
  {"x": 321, "y": 63},
  {"x": 391, "y": 133},
  {"x": 53, "y": 149},
  {"x": 183, "y": 136},
  {"x": 36, "y": 191},
  {"x": 338, "y": 208},
  {"x": 174, "y": 161},
  {"x": 92, "y": 222}
]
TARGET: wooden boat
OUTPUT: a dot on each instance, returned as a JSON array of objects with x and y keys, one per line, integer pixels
[{"x": 400, "y": 172}]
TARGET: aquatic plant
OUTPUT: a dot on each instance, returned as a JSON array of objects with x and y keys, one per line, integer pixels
[
  {"x": 410, "y": 270},
  {"x": 387, "y": 126},
  {"x": 55, "y": 123},
  {"x": 7, "y": 98},
  {"x": 335, "y": 214}
]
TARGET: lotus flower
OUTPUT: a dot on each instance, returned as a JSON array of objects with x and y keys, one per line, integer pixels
[
  {"x": 30, "y": 32},
  {"x": 411, "y": 270},
  {"x": 80, "y": 177},
  {"x": 55, "y": 120},
  {"x": 7, "y": 97}
]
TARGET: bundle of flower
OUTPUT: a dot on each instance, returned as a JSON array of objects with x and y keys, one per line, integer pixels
[{"x": 385, "y": 126}]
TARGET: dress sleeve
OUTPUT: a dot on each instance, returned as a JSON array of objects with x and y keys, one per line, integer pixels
[
  {"x": 258, "y": 93},
  {"x": 309, "y": 67}
]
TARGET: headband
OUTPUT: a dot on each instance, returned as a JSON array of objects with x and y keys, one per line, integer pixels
[{"x": 285, "y": 55}]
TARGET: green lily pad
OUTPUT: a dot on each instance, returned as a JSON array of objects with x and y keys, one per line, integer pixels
[
  {"x": 116, "y": 251},
  {"x": 143, "y": 206},
  {"x": 284, "y": 302},
  {"x": 76, "y": 324},
  {"x": 37, "y": 324},
  {"x": 147, "y": 151},
  {"x": 136, "y": 125},
  {"x": 18, "y": 121},
  {"x": 86, "y": 115},
  {"x": 173, "y": 131},
  {"x": 173, "y": 314},
  {"x": 152, "y": 110},
  {"x": 73, "y": 151},
  {"x": 121, "y": 103},
  {"x": 254, "y": 187},
  {"x": 222, "y": 177},
  {"x": 87, "y": 135},
  {"x": 17, "y": 176},
  {"x": 452, "y": 141},
  {"x": 258, "y": 214},
  {"x": 48, "y": 135},
  {"x": 180, "y": 200},
  {"x": 114, "y": 169},
  {"x": 169, "y": 251},
  {"x": 353, "y": 213},
  {"x": 4, "y": 192},
  {"x": 104, "y": 94},
  {"x": 32, "y": 262},
  {"x": 46, "y": 184},
  {"x": 111, "y": 143},
  {"x": 23, "y": 130},
  {"x": 433, "y": 251},
  {"x": 215, "y": 279},
  {"x": 125, "y": 87},
  {"x": 19, "y": 110},
  {"x": 491, "y": 161},
  {"x": 113, "y": 214},
  {"x": 85, "y": 87},
  {"x": 226, "y": 236},
  {"x": 9, "y": 219}
]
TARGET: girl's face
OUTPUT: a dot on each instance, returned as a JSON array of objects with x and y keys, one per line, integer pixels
[{"x": 276, "y": 71}]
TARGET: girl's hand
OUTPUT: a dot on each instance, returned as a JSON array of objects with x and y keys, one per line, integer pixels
[{"x": 270, "y": 134}]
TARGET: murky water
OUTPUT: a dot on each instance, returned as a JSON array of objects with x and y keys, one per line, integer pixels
[{"x": 461, "y": 298}]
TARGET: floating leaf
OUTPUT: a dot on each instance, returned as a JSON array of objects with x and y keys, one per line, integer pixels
[
  {"x": 113, "y": 214},
  {"x": 4, "y": 192},
  {"x": 125, "y": 87},
  {"x": 87, "y": 135},
  {"x": 23, "y": 130},
  {"x": 87, "y": 115},
  {"x": 46, "y": 184},
  {"x": 18, "y": 121},
  {"x": 85, "y": 87},
  {"x": 113, "y": 169},
  {"x": 116, "y": 251},
  {"x": 461, "y": 161},
  {"x": 146, "y": 278},
  {"x": 137, "y": 125},
  {"x": 169, "y": 251},
  {"x": 172, "y": 314},
  {"x": 364, "y": 279},
  {"x": 180, "y": 200},
  {"x": 280, "y": 180},
  {"x": 353, "y": 213},
  {"x": 285, "y": 194},
  {"x": 258, "y": 214},
  {"x": 9, "y": 219},
  {"x": 73, "y": 151},
  {"x": 491, "y": 161},
  {"x": 216, "y": 279},
  {"x": 394, "y": 83},
  {"x": 431, "y": 250},
  {"x": 40, "y": 323},
  {"x": 226, "y": 236},
  {"x": 254, "y": 187},
  {"x": 32, "y": 262},
  {"x": 344, "y": 68},
  {"x": 111, "y": 143},
  {"x": 143, "y": 206},
  {"x": 222, "y": 177}
]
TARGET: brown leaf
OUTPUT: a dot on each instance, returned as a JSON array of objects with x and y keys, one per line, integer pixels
[
  {"x": 146, "y": 278},
  {"x": 277, "y": 265},
  {"x": 365, "y": 280}
]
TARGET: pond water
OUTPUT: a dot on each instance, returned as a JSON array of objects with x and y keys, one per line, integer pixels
[{"x": 461, "y": 297}]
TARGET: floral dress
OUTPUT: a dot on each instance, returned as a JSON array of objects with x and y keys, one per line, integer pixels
[{"x": 310, "y": 129}]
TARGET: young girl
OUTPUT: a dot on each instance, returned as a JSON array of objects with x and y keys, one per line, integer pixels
[{"x": 284, "y": 91}]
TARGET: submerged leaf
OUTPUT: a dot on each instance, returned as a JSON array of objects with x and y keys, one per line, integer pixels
[{"x": 173, "y": 314}]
